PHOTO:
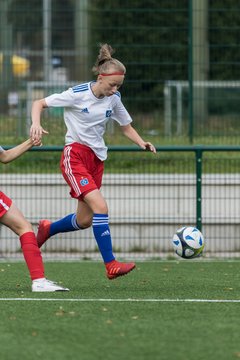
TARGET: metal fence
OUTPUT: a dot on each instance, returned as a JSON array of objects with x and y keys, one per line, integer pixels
[
  {"x": 149, "y": 198},
  {"x": 182, "y": 87},
  {"x": 47, "y": 44}
]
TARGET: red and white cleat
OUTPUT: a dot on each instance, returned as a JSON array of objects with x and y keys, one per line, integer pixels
[
  {"x": 116, "y": 269},
  {"x": 43, "y": 232}
]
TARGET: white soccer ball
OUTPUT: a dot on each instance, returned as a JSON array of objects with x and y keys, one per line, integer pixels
[{"x": 188, "y": 242}]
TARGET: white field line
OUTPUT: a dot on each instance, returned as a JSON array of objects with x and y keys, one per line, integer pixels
[
  {"x": 138, "y": 261},
  {"x": 127, "y": 300}
]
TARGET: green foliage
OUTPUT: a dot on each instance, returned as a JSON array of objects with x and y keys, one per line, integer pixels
[
  {"x": 150, "y": 39},
  {"x": 224, "y": 48},
  {"x": 26, "y": 18},
  {"x": 22, "y": 13}
]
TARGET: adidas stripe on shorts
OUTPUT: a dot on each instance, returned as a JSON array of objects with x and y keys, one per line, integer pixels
[{"x": 5, "y": 203}]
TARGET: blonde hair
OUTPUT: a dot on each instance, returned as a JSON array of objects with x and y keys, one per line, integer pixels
[{"x": 105, "y": 63}]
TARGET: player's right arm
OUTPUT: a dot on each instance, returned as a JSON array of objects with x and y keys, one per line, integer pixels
[{"x": 36, "y": 130}]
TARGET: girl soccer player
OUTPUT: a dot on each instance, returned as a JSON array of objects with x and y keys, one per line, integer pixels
[
  {"x": 12, "y": 217},
  {"x": 87, "y": 109}
]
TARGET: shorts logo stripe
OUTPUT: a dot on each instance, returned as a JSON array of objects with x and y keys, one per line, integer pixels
[
  {"x": 68, "y": 170},
  {"x": 4, "y": 205}
]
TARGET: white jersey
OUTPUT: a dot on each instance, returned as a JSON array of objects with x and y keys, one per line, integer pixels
[
  {"x": 86, "y": 116},
  {"x": 1, "y": 149}
]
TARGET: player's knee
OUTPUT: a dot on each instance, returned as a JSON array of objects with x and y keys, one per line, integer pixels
[
  {"x": 101, "y": 209},
  {"x": 85, "y": 223}
]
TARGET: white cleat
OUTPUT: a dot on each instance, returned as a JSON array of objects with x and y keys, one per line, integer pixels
[{"x": 44, "y": 285}]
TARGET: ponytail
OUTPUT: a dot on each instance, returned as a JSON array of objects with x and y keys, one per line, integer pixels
[{"x": 105, "y": 63}]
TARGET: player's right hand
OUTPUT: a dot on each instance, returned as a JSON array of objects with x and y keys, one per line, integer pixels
[{"x": 36, "y": 132}]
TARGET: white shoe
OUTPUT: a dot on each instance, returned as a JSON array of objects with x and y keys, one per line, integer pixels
[{"x": 44, "y": 285}]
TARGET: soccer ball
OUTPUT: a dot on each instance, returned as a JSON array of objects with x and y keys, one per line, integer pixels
[{"x": 188, "y": 242}]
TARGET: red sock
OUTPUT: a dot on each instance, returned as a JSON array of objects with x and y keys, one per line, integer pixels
[{"x": 32, "y": 255}]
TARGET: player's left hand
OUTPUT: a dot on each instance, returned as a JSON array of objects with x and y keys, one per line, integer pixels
[{"x": 37, "y": 132}]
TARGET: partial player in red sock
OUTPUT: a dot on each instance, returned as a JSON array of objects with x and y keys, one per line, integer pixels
[
  {"x": 12, "y": 217},
  {"x": 32, "y": 255}
]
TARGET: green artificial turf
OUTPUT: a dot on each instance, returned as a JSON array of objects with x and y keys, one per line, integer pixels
[{"x": 159, "y": 311}]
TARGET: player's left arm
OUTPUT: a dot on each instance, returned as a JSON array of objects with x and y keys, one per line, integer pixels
[
  {"x": 9, "y": 155},
  {"x": 133, "y": 135}
]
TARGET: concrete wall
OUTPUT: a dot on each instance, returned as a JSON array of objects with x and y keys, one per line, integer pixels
[{"x": 145, "y": 210}]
